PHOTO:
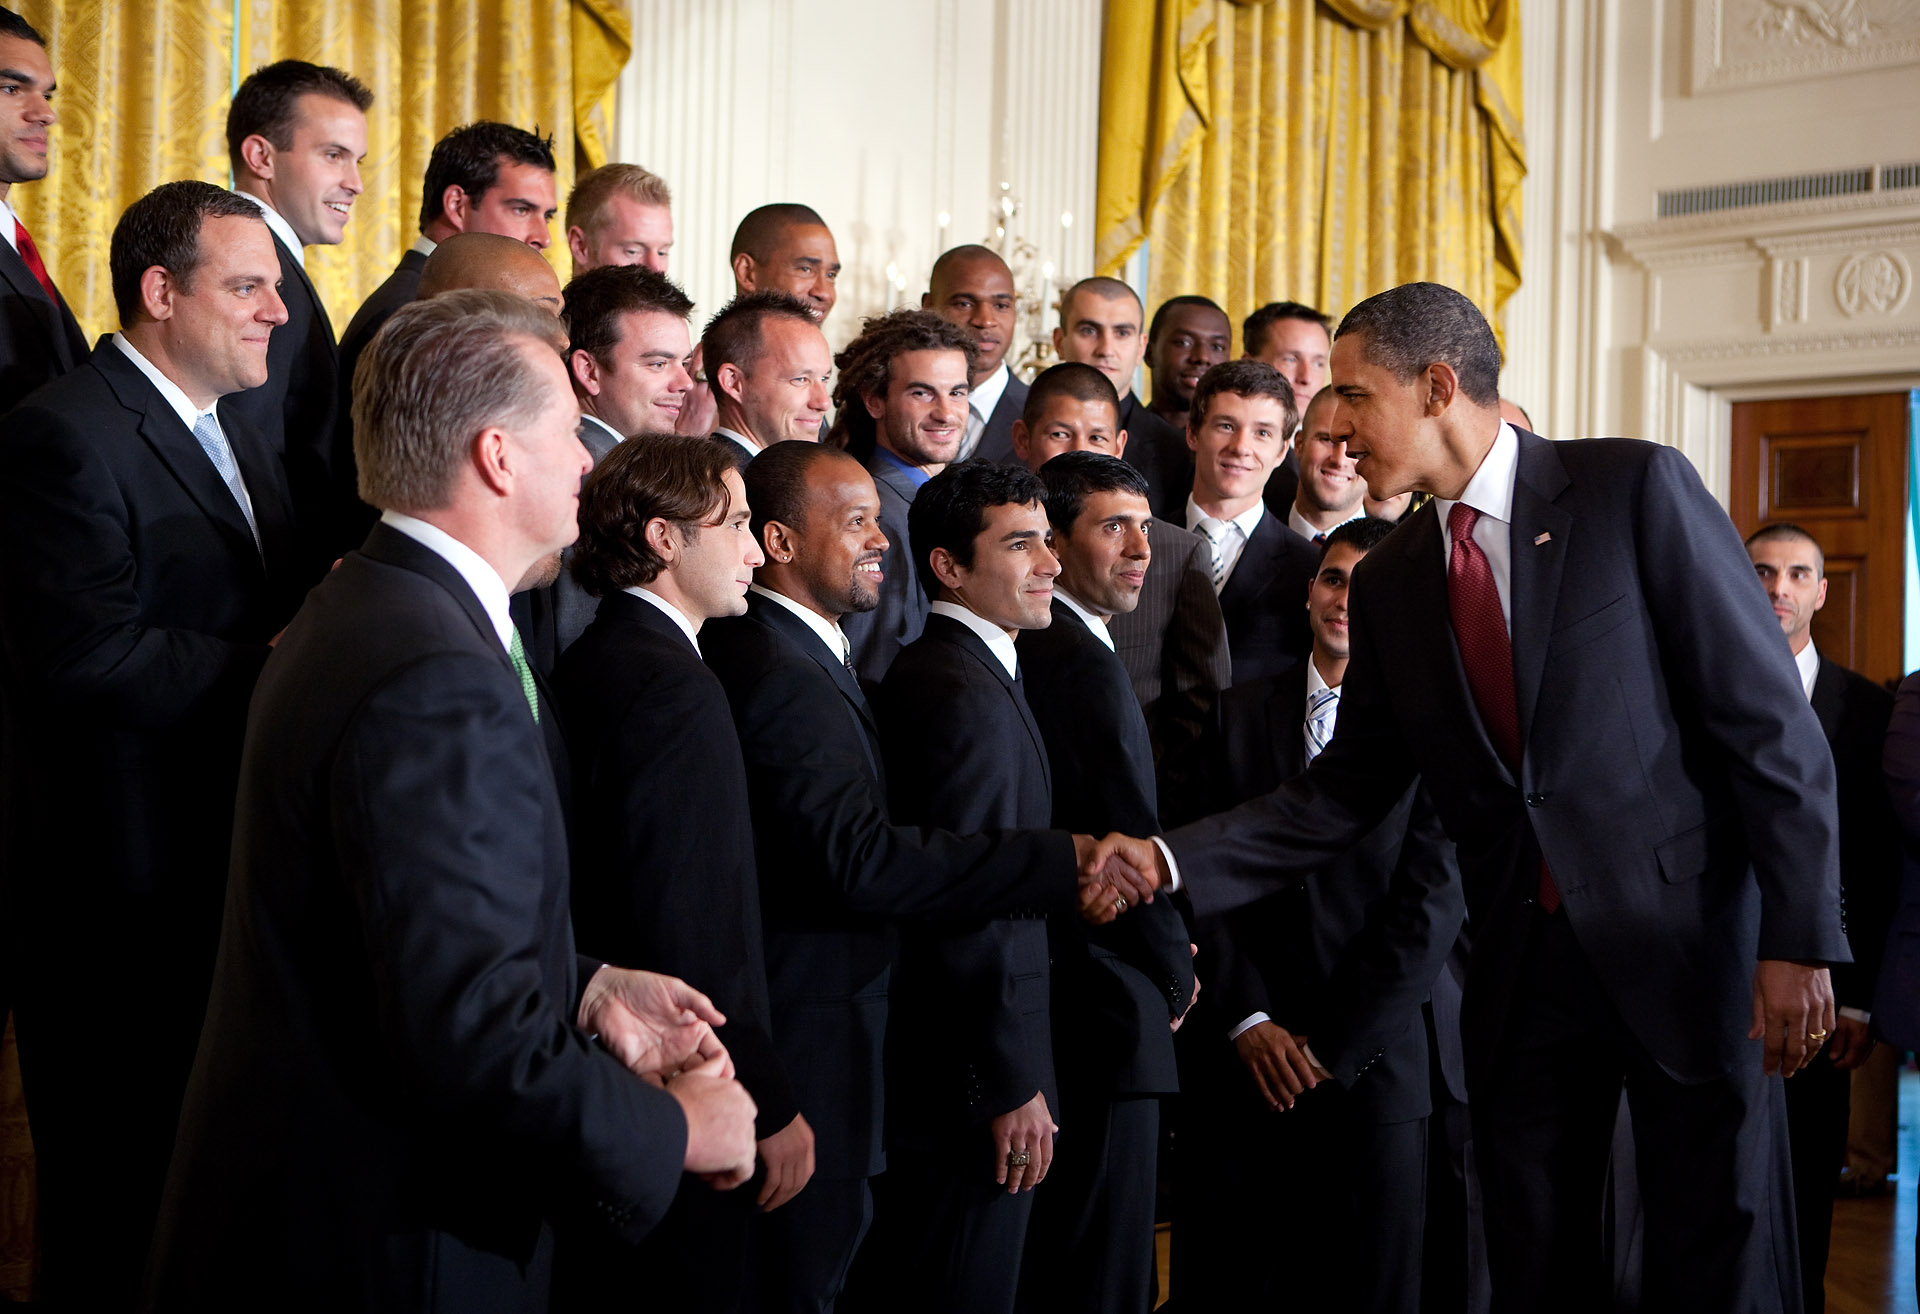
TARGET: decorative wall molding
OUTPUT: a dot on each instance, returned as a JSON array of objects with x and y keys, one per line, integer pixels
[
  {"x": 1837, "y": 239},
  {"x": 1790, "y": 284},
  {"x": 1797, "y": 345},
  {"x": 1873, "y": 283},
  {"x": 1745, "y": 43},
  {"x": 1770, "y": 218}
]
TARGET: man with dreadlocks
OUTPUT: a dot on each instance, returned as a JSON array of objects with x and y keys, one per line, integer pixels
[{"x": 901, "y": 407}]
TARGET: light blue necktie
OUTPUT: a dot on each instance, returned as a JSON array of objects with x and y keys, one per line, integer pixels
[
  {"x": 206, "y": 431},
  {"x": 1323, "y": 707}
]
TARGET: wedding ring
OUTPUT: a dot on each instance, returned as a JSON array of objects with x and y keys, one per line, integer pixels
[
  {"x": 1119, "y": 903},
  {"x": 1019, "y": 1158},
  {"x": 1816, "y": 1035}
]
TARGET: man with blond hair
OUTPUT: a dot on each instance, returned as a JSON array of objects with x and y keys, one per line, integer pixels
[{"x": 620, "y": 214}]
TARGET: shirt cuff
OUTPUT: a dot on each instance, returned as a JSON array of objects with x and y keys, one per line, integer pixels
[
  {"x": 1857, "y": 1014},
  {"x": 1173, "y": 867},
  {"x": 1319, "y": 1068},
  {"x": 1247, "y": 1023}
]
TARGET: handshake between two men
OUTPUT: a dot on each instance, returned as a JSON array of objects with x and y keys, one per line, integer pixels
[{"x": 1118, "y": 873}]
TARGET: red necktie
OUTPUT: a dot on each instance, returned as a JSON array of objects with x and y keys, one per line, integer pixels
[
  {"x": 30, "y": 254},
  {"x": 1473, "y": 600}
]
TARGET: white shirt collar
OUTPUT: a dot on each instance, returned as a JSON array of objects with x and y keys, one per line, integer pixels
[
  {"x": 747, "y": 444},
  {"x": 168, "y": 388},
  {"x": 590, "y": 418},
  {"x": 482, "y": 578},
  {"x": 1490, "y": 491},
  {"x": 1808, "y": 660},
  {"x": 996, "y": 639},
  {"x": 7, "y": 221},
  {"x": 986, "y": 396},
  {"x": 1315, "y": 681},
  {"x": 673, "y": 613},
  {"x": 281, "y": 228},
  {"x": 425, "y": 245},
  {"x": 1248, "y": 520},
  {"x": 1101, "y": 630},
  {"x": 828, "y": 632},
  {"x": 1304, "y": 527}
]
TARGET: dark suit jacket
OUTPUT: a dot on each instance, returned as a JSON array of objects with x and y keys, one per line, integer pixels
[
  {"x": 354, "y": 516},
  {"x": 1174, "y": 647},
  {"x": 663, "y": 874},
  {"x": 878, "y": 635},
  {"x": 569, "y": 608},
  {"x": 1116, "y": 987},
  {"x": 1688, "y": 818},
  {"x": 136, "y": 611},
  {"x": 1896, "y": 1017},
  {"x": 39, "y": 339},
  {"x": 996, "y": 440},
  {"x": 1347, "y": 957},
  {"x": 1853, "y": 713},
  {"x": 835, "y": 872},
  {"x": 391, "y": 1092},
  {"x": 1265, "y": 600},
  {"x": 969, "y": 1038},
  {"x": 295, "y": 409},
  {"x": 1158, "y": 450}
]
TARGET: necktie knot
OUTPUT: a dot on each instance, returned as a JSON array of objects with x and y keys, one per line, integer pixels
[
  {"x": 1461, "y": 520},
  {"x": 1322, "y": 707}
]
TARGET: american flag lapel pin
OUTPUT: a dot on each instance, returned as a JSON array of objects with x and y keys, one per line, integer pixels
[{"x": 1544, "y": 538}]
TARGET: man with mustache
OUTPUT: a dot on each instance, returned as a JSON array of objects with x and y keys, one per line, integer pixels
[
  {"x": 971, "y": 286},
  {"x": 296, "y": 134}
]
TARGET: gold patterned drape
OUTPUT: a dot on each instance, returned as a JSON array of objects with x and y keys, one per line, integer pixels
[
  {"x": 1271, "y": 149},
  {"x": 144, "y": 88}
]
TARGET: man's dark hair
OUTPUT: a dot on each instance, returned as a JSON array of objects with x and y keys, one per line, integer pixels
[
  {"x": 759, "y": 233},
  {"x": 1072, "y": 477},
  {"x": 469, "y": 158},
  {"x": 865, "y": 367},
  {"x": 594, "y": 301},
  {"x": 950, "y": 510},
  {"x": 1107, "y": 289},
  {"x": 1244, "y": 378},
  {"x": 1415, "y": 325},
  {"x": 1160, "y": 315},
  {"x": 671, "y": 477},
  {"x": 953, "y": 255},
  {"x": 777, "y": 483},
  {"x": 1362, "y": 534},
  {"x": 734, "y": 337},
  {"x": 1786, "y": 529},
  {"x": 268, "y": 101},
  {"x": 163, "y": 228},
  {"x": 1253, "y": 330},
  {"x": 12, "y": 25},
  {"x": 1069, "y": 379}
]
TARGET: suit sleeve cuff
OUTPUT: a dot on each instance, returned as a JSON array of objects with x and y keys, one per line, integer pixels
[{"x": 1173, "y": 865}]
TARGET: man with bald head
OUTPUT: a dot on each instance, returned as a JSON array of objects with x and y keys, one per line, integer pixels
[
  {"x": 491, "y": 263},
  {"x": 1102, "y": 325},
  {"x": 786, "y": 247},
  {"x": 971, "y": 286}
]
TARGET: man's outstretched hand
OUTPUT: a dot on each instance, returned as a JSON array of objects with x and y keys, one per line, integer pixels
[
  {"x": 1112, "y": 882},
  {"x": 655, "y": 1025}
]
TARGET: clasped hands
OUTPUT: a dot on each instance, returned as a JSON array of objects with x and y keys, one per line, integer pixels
[{"x": 1117, "y": 873}]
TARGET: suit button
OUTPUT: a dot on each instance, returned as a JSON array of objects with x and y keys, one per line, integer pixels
[{"x": 1536, "y": 800}]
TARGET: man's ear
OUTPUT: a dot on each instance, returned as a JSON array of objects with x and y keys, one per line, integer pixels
[
  {"x": 585, "y": 371},
  {"x": 256, "y": 152},
  {"x": 945, "y": 568},
  {"x": 662, "y": 537},
  {"x": 577, "y": 244},
  {"x": 1120, "y": 442},
  {"x": 743, "y": 272},
  {"x": 1443, "y": 385},
  {"x": 730, "y": 381},
  {"x": 1020, "y": 440},
  {"x": 876, "y": 406},
  {"x": 779, "y": 542},
  {"x": 457, "y": 206}
]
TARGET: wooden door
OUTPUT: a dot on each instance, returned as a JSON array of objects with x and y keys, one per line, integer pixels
[{"x": 1836, "y": 467}]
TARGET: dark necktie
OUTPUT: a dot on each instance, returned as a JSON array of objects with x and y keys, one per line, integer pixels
[
  {"x": 1319, "y": 540},
  {"x": 1473, "y": 600},
  {"x": 30, "y": 256}
]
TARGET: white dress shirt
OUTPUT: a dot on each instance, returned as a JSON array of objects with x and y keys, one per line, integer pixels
[
  {"x": 1304, "y": 527},
  {"x": 1227, "y": 552},
  {"x": 425, "y": 245},
  {"x": 998, "y": 642},
  {"x": 482, "y": 578},
  {"x": 1101, "y": 630},
  {"x": 981, "y": 401},
  {"x": 1490, "y": 492},
  {"x": 828, "y": 632},
  {"x": 673, "y": 613},
  {"x": 281, "y": 228},
  {"x": 185, "y": 410},
  {"x": 8, "y": 220},
  {"x": 1808, "y": 660}
]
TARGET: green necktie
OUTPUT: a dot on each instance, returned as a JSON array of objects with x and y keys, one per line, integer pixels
[{"x": 518, "y": 652}]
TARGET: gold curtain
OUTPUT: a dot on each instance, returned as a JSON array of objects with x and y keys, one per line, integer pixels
[
  {"x": 144, "y": 88},
  {"x": 1270, "y": 149}
]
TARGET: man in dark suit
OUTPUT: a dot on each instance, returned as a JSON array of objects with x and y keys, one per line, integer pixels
[
  {"x": 901, "y": 406},
  {"x": 1101, "y": 325},
  {"x": 1117, "y": 991},
  {"x": 1648, "y": 847},
  {"x": 1897, "y": 1018},
  {"x": 1172, "y": 642},
  {"x": 483, "y": 177},
  {"x": 149, "y": 565},
  {"x": 627, "y": 354},
  {"x": 296, "y": 134},
  {"x": 398, "y": 1085},
  {"x": 663, "y": 870},
  {"x": 1314, "y": 1008},
  {"x": 39, "y": 338},
  {"x": 834, "y": 871},
  {"x": 971, "y": 286},
  {"x": 970, "y": 1073},
  {"x": 1242, "y": 416},
  {"x": 768, "y": 364},
  {"x": 1853, "y": 713},
  {"x": 1188, "y": 336}
]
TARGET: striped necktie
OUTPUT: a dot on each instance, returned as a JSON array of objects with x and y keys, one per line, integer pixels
[
  {"x": 518, "y": 652},
  {"x": 1215, "y": 532},
  {"x": 1323, "y": 709}
]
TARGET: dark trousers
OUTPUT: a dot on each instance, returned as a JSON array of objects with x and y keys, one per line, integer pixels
[
  {"x": 1819, "y": 1102},
  {"x": 805, "y": 1248},
  {"x": 1090, "y": 1241},
  {"x": 1317, "y": 1207},
  {"x": 1708, "y": 1157},
  {"x": 946, "y": 1239},
  {"x": 698, "y": 1258},
  {"x": 1454, "y": 1262}
]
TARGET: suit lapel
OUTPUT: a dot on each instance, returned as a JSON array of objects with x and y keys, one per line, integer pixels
[
  {"x": 1829, "y": 697},
  {"x": 975, "y": 647},
  {"x": 1537, "y": 544},
  {"x": 16, "y": 273},
  {"x": 387, "y": 544},
  {"x": 266, "y": 488},
  {"x": 1254, "y": 570},
  {"x": 779, "y": 618},
  {"x": 292, "y": 270}
]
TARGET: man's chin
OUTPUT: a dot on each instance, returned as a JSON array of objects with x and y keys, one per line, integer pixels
[{"x": 861, "y": 600}]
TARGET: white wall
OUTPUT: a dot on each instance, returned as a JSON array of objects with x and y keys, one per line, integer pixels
[
  {"x": 1633, "y": 325},
  {"x": 882, "y": 115}
]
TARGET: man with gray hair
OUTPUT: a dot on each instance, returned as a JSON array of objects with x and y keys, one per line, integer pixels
[{"x": 406, "y": 1071}]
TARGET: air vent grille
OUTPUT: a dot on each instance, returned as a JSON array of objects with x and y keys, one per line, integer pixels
[
  {"x": 1896, "y": 176},
  {"x": 1769, "y": 191}
]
